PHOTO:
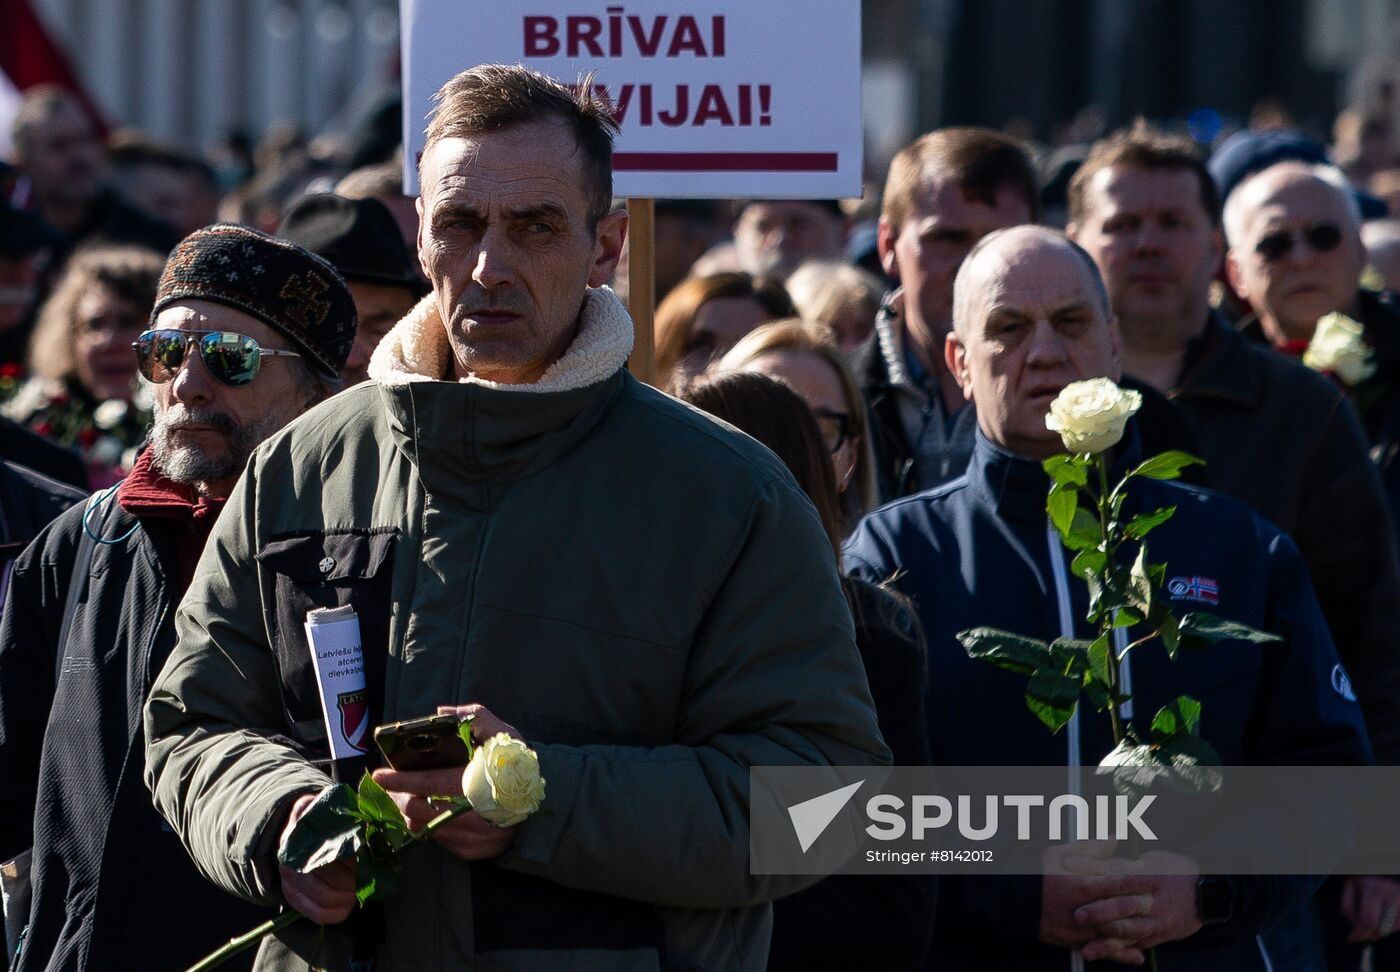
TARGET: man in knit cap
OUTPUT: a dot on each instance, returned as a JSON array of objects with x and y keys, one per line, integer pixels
[{"x": 247, "y": 332}]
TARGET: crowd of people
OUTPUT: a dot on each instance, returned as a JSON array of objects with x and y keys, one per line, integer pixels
[{"x": 237, "y": 393}]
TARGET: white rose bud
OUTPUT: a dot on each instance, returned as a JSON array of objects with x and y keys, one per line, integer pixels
[
  {"x": 1091, "y": 415},
  {"x": 1339, "y": 346},
  {"x": 502, "y": 781},
  {"x": 110, "y": 413}
]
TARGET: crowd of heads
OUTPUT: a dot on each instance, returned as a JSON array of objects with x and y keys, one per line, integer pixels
[{"x": 1269, "y": 227}]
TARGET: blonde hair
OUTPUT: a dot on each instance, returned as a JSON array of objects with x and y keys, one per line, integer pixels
[
  {"x": 130, "y": 272},
  {"x": 825, "y": 291},
  {"x": 795, "y": 334}
]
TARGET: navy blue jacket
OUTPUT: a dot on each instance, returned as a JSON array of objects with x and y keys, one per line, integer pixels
[{"x": 980, "y": 550}]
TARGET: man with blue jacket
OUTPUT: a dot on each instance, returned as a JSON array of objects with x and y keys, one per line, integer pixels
[{"x": 1031, "y": 316}]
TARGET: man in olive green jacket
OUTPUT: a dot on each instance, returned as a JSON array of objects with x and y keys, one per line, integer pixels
[{"x": 639, "y": 592}]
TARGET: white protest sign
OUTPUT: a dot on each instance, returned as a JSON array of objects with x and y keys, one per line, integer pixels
[
  {"x": 333, "y": 635},
  {"x": 716, "y": 98}
]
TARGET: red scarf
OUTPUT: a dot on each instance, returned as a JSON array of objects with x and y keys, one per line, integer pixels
[
  {"x": 1294, "y": 347},
  {"x": 148, "y": 495}
]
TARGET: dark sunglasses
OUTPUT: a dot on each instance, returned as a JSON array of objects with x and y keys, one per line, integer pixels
[
  {"x": 231, "y": 357},
  {"x": 835, "y": 428},
  {"x": 1322, "y": 238}
]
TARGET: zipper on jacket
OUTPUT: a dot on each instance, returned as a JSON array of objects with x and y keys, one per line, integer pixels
[{"x": 1062, "y": 600}]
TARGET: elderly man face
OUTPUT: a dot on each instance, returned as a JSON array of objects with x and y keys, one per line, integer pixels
[
  {"x": 507, "y": 243},
  {"x": 205, "y": 429},
  {"x": 1030, "y": 316},
  {"x": 1295, "y": 249}
]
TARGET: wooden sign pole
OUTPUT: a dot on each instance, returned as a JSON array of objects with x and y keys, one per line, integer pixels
[{"x": 641, "y": 285}]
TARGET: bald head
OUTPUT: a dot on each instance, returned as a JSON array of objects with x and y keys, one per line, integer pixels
[
  {"x": 1295, "y": 246},
  {"x": 1287, "y": 180},
  {"x": 1030, "y": 315},
  {"x": 997, "y": 252}
]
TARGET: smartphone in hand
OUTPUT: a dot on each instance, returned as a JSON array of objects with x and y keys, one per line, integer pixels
[{"x": 431, "y": 742}]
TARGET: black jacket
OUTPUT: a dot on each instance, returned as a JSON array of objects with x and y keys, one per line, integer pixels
[
  {"x": 1285, "y": 441},
  {"x": 113, "y": 887}
]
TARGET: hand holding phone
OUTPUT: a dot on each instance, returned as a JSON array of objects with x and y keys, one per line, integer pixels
[{"x": 430, "y": 742}]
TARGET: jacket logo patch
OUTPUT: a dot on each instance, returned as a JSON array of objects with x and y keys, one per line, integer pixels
[
  {"x": 354, "y": 718},
  {"x": 1203, "y": 590},
  {"x": 1341, "y": 683}
]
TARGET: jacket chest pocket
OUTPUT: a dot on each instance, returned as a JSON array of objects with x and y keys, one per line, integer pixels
[{"x": 326, "y": 570}]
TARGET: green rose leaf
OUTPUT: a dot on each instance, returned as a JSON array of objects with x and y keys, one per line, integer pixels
[
  {"x": 1088, "y": 562},
  {"x": 1201, "y": 626},
  {"x": 1012, "y": 652},
  {"x": 1052, "y": 697},
  {"x": 1061, "y": 505},
  {"x": 1083, "y": 531},
  {"x": 1168, "y": 465},
  {"x": 1126, "y": 618},
  {"x": 376, "y": 805},
  {"x": 1167, "y": 629},
  {"x": 464, "y": 730},
  {"x": 328, "y": 831},
  {"x": 1144, "y": 523},
  {"x": 1099, "y": 667},
  {"x": 1067, "y": 470},
  {"x": 375, "y": 879},
  {"x": 1182, "y": 716}
]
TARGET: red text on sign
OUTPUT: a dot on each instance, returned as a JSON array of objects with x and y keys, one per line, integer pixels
[
  {"x": 621, "y": 35},
  {"x": 727, "y": 106}
]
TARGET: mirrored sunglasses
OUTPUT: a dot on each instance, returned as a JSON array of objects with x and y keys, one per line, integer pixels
[
  {"x": 1322, "y": 238},
  {"x": 232, "y": 358}
]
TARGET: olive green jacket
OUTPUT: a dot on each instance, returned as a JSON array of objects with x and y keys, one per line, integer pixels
[{"x": 645, "y": 593}]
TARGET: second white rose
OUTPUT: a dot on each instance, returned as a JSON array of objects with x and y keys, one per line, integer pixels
[
  {"x": 503, "y": 781},
  {"x": 1339, "y": 346},
  {"x": 1091, "y": 415}
]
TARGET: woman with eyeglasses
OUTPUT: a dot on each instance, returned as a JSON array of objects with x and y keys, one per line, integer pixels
[
  {"x": 83, "y": 390},
  {"x": 849, "y": 921},
  {"x": 804, "y": 356}
]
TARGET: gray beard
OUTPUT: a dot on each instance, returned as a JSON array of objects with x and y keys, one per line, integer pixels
[{"x": 187, "y": 464}]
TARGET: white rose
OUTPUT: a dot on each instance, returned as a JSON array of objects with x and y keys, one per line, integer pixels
[
  {"x": 1091, "y": 415},
  {"x": 502, "y": 781},
  {"x": 1339, "y": 346},
  {"x": 110, "y": 413}
]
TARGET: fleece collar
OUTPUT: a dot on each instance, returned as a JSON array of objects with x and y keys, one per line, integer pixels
[{"x": 417, "y": 349}]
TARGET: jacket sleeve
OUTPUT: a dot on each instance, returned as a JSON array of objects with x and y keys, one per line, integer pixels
[
  {"x": 215, "y": 764},
  {"x": 29, "y": 649},
  {"x": 1345, "y": 535},
  {"x": 772, "y": 679}
]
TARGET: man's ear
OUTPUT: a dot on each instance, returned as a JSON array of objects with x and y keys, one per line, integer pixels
[
  {"x": 884, "y": 245},
  {"x": 955, "y": 357},
  {"x": 607, "y": 247},
  {"x": 422, "y": 222},
  {"x": 1235, "y": 277}
]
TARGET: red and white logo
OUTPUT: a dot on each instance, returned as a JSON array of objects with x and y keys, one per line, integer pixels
[{"x": 354, "y": 718}]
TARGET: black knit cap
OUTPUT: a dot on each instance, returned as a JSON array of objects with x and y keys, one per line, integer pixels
[
  {"x": 357, "y": 236},
  {"x": 284, "y": 285}
]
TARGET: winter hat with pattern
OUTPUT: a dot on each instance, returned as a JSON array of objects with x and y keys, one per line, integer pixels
[{"x": 284, "y": 285}]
